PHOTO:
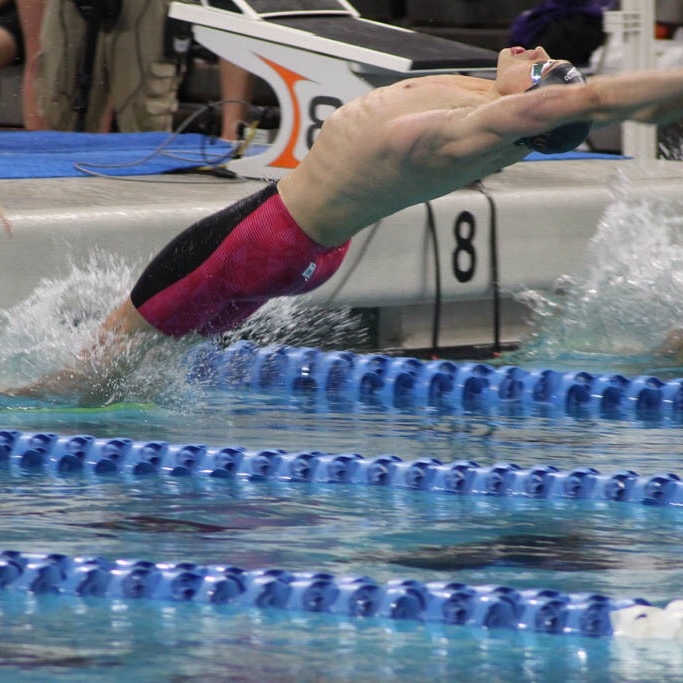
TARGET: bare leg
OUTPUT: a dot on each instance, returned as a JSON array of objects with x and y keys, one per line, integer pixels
[
  {"x": 122, "y": 342},
  {"x": 125, "y": 320},
  {"x": 107, "y": 118},
  {"x": 8, "y": 48},
  {"x": 236, "y": 84},
  {"x": 672, "y": 347},
  {"x": 31, "y": 17}
]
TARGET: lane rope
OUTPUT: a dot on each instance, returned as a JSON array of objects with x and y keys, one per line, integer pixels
[
  {"x": 411, "y": 383},
  {"x": 449, "y": 602},
  {"x": 86, "y": 455}
]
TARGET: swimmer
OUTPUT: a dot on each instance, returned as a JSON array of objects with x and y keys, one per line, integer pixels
[{"x": 394, "y": 147}]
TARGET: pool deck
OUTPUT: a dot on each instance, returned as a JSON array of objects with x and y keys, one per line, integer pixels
[{"x": 545, "y": 214}]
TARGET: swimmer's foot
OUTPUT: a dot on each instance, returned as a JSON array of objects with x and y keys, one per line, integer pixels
[
  {"x": 65, "y": 387},
  {"x": 96, "y": 377},
  {"x": 672, "y": 346}
]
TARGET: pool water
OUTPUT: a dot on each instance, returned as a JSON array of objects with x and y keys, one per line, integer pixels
[
  {"x": 617, "y": 549},
  {"x": 79, "y": 641}
]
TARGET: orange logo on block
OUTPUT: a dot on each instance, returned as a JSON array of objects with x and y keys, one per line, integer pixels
[{"x": 290, "y": 78}]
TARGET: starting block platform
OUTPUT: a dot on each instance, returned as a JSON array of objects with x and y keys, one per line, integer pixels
[{"x": 316, "y": 55}]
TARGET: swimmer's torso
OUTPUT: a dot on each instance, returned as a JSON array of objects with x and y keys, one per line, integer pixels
[{"x": 385, "y": 151}]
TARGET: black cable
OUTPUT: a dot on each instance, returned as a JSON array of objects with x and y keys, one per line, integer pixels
[
  {"x": 431, "y": 227},
  {"x": 436, "y": 320},
  {"x": 89, "y": 168},
  {"x": 495, "y": 278},
  {"x": 352, "y": 267}
]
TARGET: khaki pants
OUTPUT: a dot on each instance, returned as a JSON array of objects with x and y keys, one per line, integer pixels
[{"x": 130, "y": 71}]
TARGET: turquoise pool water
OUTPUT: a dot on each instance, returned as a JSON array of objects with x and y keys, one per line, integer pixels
[{"x": 617, "y": 549}]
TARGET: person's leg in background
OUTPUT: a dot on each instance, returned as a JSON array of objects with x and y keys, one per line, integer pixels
[
  {"x": 60, "y": 59},
  {"x": 11, "y": 48},
  {"x": 236, "y": 92},
  {"x": 144, "y": 79},
  {"x": 8, "y": 47},
  {"x": 31, "y": 17}
]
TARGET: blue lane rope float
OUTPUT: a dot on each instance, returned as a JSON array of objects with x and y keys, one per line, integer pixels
[
  {"x": 84, "y": 454},
  {"x": 449, "y": 602},
  {"x": 404, "y": 382}
]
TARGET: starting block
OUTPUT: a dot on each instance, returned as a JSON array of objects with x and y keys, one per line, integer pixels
[{"x": 316, "y": 55}]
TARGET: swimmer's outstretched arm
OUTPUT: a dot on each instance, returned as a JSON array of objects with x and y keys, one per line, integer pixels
[{"x": 643, "y": 96}]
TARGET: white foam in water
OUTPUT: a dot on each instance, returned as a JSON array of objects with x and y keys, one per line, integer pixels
[
  {"x": 646, "y": 621},
  {"x": 42, "y": 333},
  {"x": 629, "y": 295},
  {"x": 294, "y": 321}
]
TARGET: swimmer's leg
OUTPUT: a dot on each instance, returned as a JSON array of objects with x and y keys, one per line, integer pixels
[
  {"x": 220, "y": 270},
  {"x": 208, "y": 279},
  {"x": 94, "y": 378},
  {"x": 672, "y": 346}
]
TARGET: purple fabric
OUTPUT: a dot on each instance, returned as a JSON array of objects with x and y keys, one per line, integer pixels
[{"x": 531, "y": 23}]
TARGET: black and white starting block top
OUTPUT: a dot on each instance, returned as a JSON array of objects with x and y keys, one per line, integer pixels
[
  {"x": 347, "y": 35},
  {"x": 316, "y": 55}
]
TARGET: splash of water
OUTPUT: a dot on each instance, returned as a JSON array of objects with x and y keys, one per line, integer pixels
[
  {"x": 296, "y": 322},
  {"x": 629, "y": 294},
  {"x": 49, "y": 330},
  {"x": 42, "y": 333}
]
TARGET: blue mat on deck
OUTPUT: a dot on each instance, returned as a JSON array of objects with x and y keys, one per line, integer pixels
[{"x": 52, "y": 154}]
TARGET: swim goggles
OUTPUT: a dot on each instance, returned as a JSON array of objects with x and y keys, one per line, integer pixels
[{"x": 537, "y": 70}]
